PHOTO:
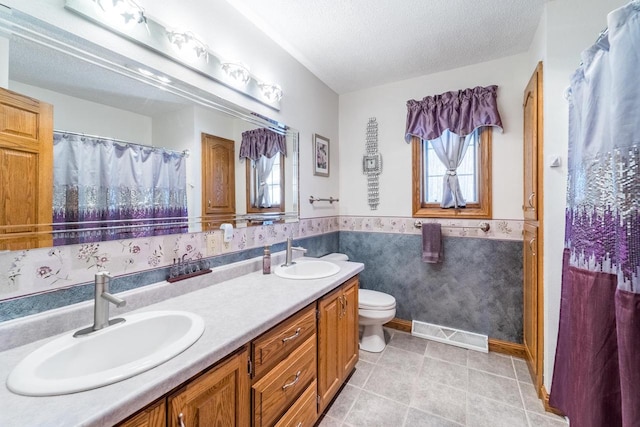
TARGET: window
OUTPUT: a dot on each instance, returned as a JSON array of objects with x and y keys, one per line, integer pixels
[
  {"x": 474, "y": 177},
  {"x": 265, "y": 194}
]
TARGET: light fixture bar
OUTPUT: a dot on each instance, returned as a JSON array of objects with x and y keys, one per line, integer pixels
[{"x": 156, "y": 37}]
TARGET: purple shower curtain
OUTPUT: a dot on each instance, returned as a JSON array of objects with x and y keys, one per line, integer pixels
[
  {"x": 596, "y": 379},
  {"x": 108, "y": 190}
]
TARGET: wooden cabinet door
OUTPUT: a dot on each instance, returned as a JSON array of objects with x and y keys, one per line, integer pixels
[
  {"x": 349, "y": 337},
  {"x": 530, "y": 297},
  {"x": 26, "y": 170},
  {"x": 218, "y": 177},
  {"x": 337, "y": 340},
  {"x": 153, "y": 416},
  {"x": 220, "y": 397},
  {"x": 532, "y": 105},
  {"x": 329, "y": 328}
]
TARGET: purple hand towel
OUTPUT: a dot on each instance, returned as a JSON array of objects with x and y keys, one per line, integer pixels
[{"x": 431, "y": 243}]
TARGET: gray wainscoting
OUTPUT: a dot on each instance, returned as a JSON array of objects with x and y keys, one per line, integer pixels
[{"x": 477, "y": 288}]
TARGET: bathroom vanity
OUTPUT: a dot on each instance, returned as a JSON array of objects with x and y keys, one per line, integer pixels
[{"x": 274, "y": 352}]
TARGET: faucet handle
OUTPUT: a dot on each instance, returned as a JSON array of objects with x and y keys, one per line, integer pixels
[{"x": 118, "y": 302}]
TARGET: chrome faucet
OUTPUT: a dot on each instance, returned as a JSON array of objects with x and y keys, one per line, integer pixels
[
  {"x": 102, "y": 299},
  {"x": 288, "y": 262}
]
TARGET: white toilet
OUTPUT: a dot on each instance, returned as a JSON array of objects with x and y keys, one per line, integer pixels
[{"x": 374, "y": 310}]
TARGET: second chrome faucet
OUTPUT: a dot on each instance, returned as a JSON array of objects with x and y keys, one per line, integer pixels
[{"x": 289, "y": 256}]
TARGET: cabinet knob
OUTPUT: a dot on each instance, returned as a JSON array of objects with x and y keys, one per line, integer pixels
[{"x": 181, "y": 419}]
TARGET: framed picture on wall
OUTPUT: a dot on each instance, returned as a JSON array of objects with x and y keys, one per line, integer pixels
[{"x": 321, "y": 155}]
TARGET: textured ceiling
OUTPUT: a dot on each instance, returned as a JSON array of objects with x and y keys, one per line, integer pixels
[{"x": 357, "y": 44}]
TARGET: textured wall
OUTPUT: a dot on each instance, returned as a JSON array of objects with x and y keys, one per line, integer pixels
[{"x": 478, "y": 287}]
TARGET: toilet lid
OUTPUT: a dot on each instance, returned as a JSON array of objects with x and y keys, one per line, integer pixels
[
  {"x": 374, "y": 300},
  {"x": 336, "y": 257}
]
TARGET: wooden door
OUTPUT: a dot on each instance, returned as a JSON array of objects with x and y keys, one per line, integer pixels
[
  {"x": 153, "y": 416},
  {"x": 533, "y": 212},
  {"x": 532, "y": 106},
  {"x": 220, "y": 397},
  {"x": 329, "y": 336},
  {"x": 26, "y": 170},
  {"x": 349, "y": 338},
  {"x": 218, "y": 177}
]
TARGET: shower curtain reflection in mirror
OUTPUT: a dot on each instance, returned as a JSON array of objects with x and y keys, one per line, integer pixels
[{"x": 106, "y": 190}]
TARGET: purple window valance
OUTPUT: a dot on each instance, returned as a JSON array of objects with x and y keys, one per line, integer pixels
[
  {"x": 262, "y": 142},
  {"x": 460, "y": 111}
]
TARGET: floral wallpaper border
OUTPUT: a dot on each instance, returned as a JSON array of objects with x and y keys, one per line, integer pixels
[{"x": 36, "y": 271}]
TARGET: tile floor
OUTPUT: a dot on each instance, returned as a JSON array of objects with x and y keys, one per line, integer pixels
[{"x": 415, "y": 382}]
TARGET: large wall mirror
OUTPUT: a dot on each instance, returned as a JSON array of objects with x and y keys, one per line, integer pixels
[{"x": 104, "y": 99}]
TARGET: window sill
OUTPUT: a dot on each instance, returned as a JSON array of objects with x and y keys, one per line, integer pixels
[{"x": 465, "y": 213}]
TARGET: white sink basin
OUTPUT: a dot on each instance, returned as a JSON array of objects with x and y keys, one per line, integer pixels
[
  {"x": 307, "y": 269},
  {"x": 68, "y": 364}
]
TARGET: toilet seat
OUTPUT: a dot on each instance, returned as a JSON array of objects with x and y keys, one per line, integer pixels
[
  {"x": 335, "y": 257},
  {"x": 374, "y": 300}
]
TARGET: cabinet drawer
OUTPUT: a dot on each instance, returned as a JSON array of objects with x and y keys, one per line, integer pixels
[
  {"x": 275, "y": 392},
  {"x": 303, "y": 413},
  {"x": 277, "y": 343}
]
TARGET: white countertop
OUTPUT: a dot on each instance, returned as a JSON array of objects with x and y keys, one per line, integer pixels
[{"x": 235, "y": 311}]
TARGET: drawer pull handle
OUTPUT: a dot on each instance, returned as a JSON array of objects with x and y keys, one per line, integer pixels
[
  {"x": 180, "y": 419},
  {"x": 292, "y": 383},
  {"x": 530, "y": 201},
  {"x": 296, "y": 335},
  {"x": 299, "y": 424}
]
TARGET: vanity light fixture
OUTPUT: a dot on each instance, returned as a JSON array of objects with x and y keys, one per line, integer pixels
[
  {"x": 239, "y": 73},
  {"x": 186, "y": 42},
  {"x": 179, "y": 45},
  {"x": 123, "y": 12},
  {"x": 271, "y": 92}
]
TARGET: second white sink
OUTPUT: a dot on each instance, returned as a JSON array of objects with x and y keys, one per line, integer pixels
[
  {"x": 307, "y": 269},
  {"x": 70, "y": 364}
]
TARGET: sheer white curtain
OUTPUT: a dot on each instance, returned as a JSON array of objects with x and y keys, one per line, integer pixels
[
  {"x": 450, "y": 149},
  {"x": 96, "y": 180},
  {"x": 264, "y": 166}
]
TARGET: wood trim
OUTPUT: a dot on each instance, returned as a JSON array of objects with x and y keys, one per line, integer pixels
[
  {"x": 483, "y": 209},
  {"x": 545, "y": 402},
  {"x": 540, "y": 299},
  {"x": 537, "y": 366},
  {"x": 399, "y": 324},
  {"x": 506, "y": 347}
]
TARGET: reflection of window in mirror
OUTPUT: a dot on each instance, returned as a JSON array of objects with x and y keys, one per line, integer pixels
[{"x": 265, "y": 192}]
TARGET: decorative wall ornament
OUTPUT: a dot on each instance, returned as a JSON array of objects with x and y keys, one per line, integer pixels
[{"x": 372, "y": 163}]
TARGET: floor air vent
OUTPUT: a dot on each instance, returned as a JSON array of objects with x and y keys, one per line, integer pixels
[{"x": 451, "y": 336}]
